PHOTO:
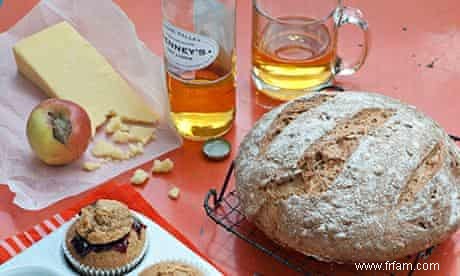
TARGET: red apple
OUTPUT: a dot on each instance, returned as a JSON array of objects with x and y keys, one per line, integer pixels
[{"x": 58, "y": 131}]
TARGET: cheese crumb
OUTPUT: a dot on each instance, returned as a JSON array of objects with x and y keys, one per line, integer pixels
[
  {"x": 139, "y": 177},
  {"x": 103, "y": 149},
  {"x": 164, "y": 166},
  {"x": 91, "y": 166},
  {"x": 124, "y": 128},
  {"x": 113, "y": 125},
  {"x": 135, "y": 149},
  {"x": 120, "y": 137},
  {"x": 141, "y": 134},
  {"x": 174, "y": 193}
]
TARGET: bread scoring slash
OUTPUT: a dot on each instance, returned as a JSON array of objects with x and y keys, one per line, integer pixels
[{"x": 350, "y": 177}]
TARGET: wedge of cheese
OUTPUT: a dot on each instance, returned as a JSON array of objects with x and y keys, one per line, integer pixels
[{"x": 64, "y": 65}]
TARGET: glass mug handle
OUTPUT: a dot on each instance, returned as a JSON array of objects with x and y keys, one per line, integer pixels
[{"x": 352, "y": 16}]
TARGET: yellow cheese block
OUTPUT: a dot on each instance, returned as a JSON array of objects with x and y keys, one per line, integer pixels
[{"x": 63, "y": 64}]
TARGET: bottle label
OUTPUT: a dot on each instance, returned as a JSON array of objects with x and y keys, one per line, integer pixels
[{"x": 188, "y": 51}]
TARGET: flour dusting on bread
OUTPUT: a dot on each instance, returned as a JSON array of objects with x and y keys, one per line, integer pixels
[{"x": 351, "y": 177}]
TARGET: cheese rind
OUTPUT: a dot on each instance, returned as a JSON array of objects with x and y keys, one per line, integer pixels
[{"x": 65, "y": 65}]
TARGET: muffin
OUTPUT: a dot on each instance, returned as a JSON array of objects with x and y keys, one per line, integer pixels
[
  {"x": 174, "y": 268},
  {"x": 105, "y": 238}
]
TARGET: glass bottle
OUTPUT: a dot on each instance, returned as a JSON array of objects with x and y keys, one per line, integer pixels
[{"x": 199, "y": 54}]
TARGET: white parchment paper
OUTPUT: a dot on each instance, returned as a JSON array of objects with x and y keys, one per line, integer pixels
[{"x": 108, "y": 29}]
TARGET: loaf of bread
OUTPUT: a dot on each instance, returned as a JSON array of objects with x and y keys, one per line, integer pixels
[{"x": 350, "y": 177}]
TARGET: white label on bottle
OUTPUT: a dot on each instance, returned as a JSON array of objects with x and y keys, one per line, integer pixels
[{"x": 188, "y": 51}]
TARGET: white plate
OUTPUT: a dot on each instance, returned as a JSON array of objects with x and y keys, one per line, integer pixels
[
  {"x": 47, "y": 255},
  {"x": 31, "y": 270}
]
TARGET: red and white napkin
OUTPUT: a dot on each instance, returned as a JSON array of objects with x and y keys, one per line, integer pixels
[
  {"x": 14, "y": 245},
  {"x": 125, "y": 193}
]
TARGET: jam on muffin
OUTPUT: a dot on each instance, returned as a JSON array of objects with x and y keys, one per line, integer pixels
[
  {"x": 106, "y": 236},
  {"x": 171, "y": 269}
]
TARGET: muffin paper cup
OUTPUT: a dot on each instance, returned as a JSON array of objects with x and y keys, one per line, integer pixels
[
  {"x": 198, "y": 266},
  {"x": 92, "y": 271}
]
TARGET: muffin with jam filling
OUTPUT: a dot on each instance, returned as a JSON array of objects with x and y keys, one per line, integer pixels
[{"x": 106, "y": 236}]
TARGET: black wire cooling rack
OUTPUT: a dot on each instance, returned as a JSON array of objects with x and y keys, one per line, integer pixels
[{"x": 224, "y": 208}]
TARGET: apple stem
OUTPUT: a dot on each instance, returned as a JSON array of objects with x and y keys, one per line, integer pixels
[{"x": 62, "y": 128}]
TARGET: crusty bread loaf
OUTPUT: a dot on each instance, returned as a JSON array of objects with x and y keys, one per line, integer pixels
[{"x": 350, "y": 177}]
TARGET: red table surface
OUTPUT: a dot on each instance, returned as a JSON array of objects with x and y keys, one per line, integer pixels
[{"x": 406, "y": 37}]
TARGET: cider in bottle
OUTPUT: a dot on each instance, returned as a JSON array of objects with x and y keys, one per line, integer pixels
[{"x": 199, "y": 51}]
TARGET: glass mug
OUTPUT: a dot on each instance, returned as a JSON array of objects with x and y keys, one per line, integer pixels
[{"x": 294, "y": 45}]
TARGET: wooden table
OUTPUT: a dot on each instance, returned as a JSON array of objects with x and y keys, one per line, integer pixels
[{"x": 407, "y": 36}]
